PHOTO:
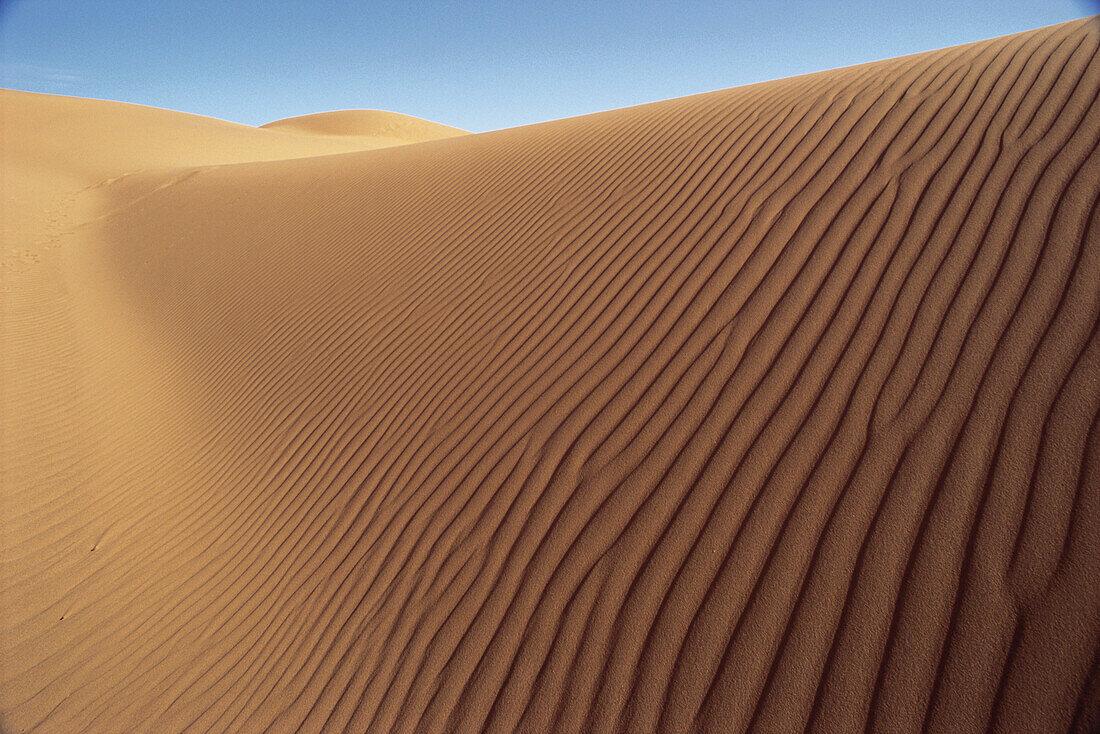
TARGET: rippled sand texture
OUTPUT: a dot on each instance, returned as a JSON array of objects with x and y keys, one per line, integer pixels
[{"x": 766, "y": 409}]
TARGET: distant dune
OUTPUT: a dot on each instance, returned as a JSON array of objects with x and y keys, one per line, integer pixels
[
  {"x": 771, "y": 409},
  {"x": 54, "y": 146},
  {"x": 366, "y": 123}
]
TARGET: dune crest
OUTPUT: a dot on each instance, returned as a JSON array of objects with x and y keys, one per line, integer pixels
[
  {"x": 367, "y": 123},
  {"x": 770, "y": 409}
]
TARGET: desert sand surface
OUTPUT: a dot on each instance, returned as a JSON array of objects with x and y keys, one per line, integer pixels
[{"x": 771, "y": 409}]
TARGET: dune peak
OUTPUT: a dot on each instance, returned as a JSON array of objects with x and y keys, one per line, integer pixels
[{"x": 366, "y": 123}]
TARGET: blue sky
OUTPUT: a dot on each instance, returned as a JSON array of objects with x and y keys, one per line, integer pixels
[{"x": 476, "y": 65}]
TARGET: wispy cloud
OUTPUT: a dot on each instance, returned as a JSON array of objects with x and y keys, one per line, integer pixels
[{"x": 19, "y": 74}]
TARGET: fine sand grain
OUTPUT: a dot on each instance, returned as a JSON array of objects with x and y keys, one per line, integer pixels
[{"x": 769, "y": 409}]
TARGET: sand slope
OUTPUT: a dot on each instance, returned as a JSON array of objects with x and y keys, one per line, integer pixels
[
  {"x": 770, "y": 409},
  {"x": 54, "y": 146}
]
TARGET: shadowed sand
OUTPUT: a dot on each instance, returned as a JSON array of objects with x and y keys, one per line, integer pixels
[{"x": 768, "y": 409}]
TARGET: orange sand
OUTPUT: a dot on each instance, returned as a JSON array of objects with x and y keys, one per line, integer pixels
[{"x": 770, "y": 409}]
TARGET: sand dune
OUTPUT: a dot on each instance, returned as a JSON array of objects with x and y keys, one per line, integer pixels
[
  {"x": 367, "y": 123},
  {"x": 54, "y": 146},
  {"x": 770, "y": 409}
]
